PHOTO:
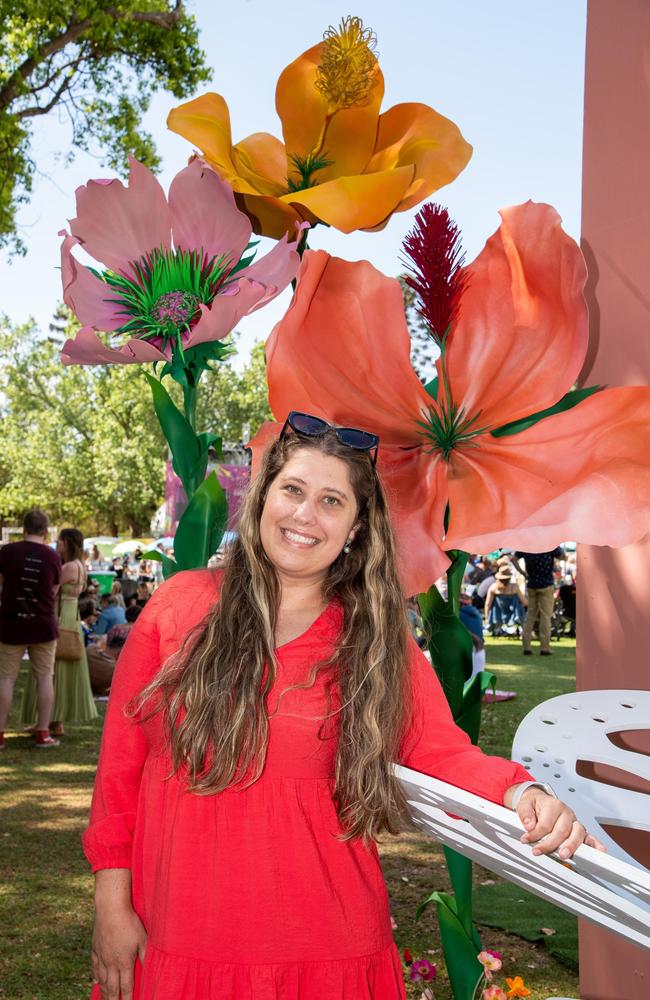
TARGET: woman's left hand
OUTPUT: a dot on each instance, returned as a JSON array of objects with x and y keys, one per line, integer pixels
[{"x": 551, "y": 825}]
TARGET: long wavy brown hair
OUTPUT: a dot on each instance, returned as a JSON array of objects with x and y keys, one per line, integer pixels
[{"x": 213, "y": 693}]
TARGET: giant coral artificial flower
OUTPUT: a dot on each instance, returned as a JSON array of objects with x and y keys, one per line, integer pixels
[
  {"x": 175, "y": 276},
  {"x": 342, "y": 352},
  {"x": 342, "y": 162}
]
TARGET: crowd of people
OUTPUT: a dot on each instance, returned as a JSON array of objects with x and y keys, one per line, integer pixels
[
  {"x": 51, "y": 610},
  {"x": 525, "y": 593}
]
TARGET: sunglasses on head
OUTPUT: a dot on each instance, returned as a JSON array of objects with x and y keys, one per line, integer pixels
[{"x": 305, "y": 424}]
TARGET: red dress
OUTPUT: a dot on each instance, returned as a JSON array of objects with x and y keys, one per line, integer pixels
[{"x": 249, "y": 895}]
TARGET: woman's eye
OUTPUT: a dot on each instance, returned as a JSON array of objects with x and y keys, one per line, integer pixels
[
  {"x": 331, "y": 501},
  {"x": 290, "y": 488}
]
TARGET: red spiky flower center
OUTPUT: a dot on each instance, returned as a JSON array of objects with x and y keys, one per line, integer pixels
[{"x": 435, "y": 259}]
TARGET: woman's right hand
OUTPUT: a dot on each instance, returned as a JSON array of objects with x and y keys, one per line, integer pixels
[
  {"x": 118, "y": 939},
  {"x": 118, "y": 936}
]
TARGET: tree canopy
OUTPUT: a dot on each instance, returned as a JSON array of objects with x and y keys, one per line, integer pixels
[
  {"x": 83, "y": 442},
  {"x": 98, "y": 64}
]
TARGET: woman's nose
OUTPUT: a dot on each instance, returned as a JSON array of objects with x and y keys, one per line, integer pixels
[{"x": 304, "y": 512}]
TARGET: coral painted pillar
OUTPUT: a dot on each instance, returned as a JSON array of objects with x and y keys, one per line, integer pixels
[{"x": 614, "y": 586}]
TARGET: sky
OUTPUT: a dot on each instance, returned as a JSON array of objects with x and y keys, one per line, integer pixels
[{"x": 509, "y": 73}]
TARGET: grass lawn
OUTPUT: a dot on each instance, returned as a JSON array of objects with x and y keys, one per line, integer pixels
[{"x": 46, "y": 889}]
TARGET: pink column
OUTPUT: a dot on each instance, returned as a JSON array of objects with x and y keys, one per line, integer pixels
[{"x": 614, "y": 586}]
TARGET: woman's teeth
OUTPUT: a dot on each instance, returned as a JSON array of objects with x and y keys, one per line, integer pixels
[{"x": 293, "y": 536}]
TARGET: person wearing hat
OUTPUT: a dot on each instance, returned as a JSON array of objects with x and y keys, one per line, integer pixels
[{"x": 504, "y": 601}]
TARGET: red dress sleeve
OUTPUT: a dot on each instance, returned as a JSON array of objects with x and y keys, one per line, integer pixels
[
  {"x": 108, "y": 838},
  {"x": 435, "y": 745}
]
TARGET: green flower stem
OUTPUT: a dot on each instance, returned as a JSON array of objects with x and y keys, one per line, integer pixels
[
  {"x": 481, "y": 983},
  {"x": 302, "y": 244},
  {"x": 189, "y": 403},
  {"x": 455, "y": 575},
  {"x": 451, "y": 648}
]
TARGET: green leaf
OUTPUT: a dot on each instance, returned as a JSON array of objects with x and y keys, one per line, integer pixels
[
  {"x": 470, "y": 718},
  {"x": 189, "y": 452},
  {"x": 460, "y": 949},
  {"x": 212, "y": 350},
  {"x": 201, "y": 527},
  {"x": 567, "y": 402},
  {"x": 432, "y": 387},
  {"x": 460, "y": 873},
  {"x": 170, "y": 566},
  {"x": 450, "y": 645}
]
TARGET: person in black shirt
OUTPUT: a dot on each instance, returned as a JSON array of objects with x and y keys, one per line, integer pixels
[
  {"x": 541, "y": 596},
  {"x": 30, "y": 573}
]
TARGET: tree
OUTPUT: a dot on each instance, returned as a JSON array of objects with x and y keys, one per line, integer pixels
[
  {"x": 423, "y": 348},
  {"x": 235, "y": 402},
  {"x": 79, "y": 442},
  {"x": 83, "y": 442},
  {"x": 97, "y": 63}
]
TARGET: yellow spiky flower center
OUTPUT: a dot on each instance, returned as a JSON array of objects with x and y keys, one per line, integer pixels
[{"x": 348, "y": 65}]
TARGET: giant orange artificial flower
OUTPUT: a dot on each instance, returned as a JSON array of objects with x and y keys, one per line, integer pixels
[
  {"x": 342, "y": 352},
  {"x": 342, "y": 162}
]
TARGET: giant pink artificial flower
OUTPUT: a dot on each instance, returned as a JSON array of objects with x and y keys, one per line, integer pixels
[
  {"x": 342, "y": 352},
  {"x": 174, "y": 275}
]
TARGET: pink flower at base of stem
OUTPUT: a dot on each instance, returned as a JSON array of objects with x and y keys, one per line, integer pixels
[
  {"x": 493, "y": 993},
  {"x": 422, "y": 971},
  {"x": 490, "y": 962}
]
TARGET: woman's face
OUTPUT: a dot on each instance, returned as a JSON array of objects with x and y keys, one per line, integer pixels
[{"x": 309, "y": 514}]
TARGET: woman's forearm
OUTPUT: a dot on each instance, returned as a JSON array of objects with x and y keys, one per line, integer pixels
[{"x": 113, "y": 888}]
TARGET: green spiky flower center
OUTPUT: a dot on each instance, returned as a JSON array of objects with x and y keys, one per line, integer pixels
[
  {"x": 161, "y": 295},
  {"x": 447, "y": 428}
]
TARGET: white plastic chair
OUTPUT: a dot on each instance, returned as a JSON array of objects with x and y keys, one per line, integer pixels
[
  {"x": 562, "y": 731},
  {"x": 597, "y": 886}
]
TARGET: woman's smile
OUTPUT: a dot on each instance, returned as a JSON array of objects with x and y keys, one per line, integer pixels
[{"x": 298, "y": 538}]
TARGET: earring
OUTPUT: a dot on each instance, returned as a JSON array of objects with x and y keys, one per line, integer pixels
[{"x": 347, "y": 546}]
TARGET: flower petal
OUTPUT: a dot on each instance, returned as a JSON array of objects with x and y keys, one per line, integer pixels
[
  {"x": 416, "y": 134},
  {"x": 118, "y": 224},
  {"x": 224, "y": 313},
  {"x": 205, "y": 122},
  {"x": 87, "y": 349},
  {"x": 204, "y": 213},
  {"x": 85, "y": 294},
  {"x": 261, "y": 159},
  {"x": 582, "y": 475},
  {"x": 416, "y": 499},
  {"x": 261, "y": 440},
  {"x": 302, "y": 109},
  {"x": 275, "y": 270},
  {"x": 271, "y": 217},
  {"x": 348, "y": 138},
  {"x": 350, "y": 203},
  {"x": 521, "y": 335},
  {"x": 341, "y": 351},
  {"x": 414, "y": 506}
]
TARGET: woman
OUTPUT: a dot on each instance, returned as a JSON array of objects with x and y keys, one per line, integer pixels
[
  {"x": 245, "y": 770},
  {"x": 73, "y": 698},
  {"x": 504, "y": 603},
  {"x": 143, "y": 594},
  {"x": 97, "y": 560},
  {"x": 116, "y": 591}
]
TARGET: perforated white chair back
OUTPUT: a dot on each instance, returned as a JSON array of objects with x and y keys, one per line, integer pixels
[
  {"x": 591, "y": 884},
  {"x": 562, "y": 731}
]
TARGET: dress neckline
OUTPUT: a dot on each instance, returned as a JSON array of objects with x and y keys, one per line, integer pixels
[{"x": 328, "y": 622}]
